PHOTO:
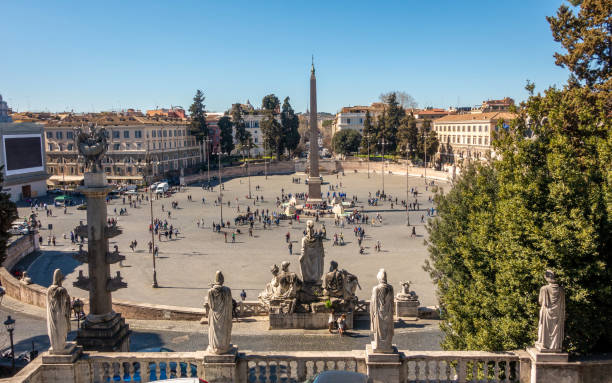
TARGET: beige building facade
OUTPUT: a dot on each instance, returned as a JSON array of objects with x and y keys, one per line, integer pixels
[
  {"x": 133, "y": 142},
  {"x": 467, "y": 136}
]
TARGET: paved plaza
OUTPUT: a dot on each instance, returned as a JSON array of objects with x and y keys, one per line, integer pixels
[{"x": 186, "y": 265}]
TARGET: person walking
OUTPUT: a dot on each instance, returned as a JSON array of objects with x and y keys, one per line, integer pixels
[
  {"x": 290, "y": 248},
  {"x": 243, "y": 295}
]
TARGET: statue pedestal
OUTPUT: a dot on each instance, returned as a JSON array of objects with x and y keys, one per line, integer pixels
[
  {"x": 221, "y": 368},
  {"x": 104, "y": 333},
  {"x": 314, "y": 190},
  {"x": 306, "y": 321},
  {"x": 383, "y": 367},
  {"x": 547, "y": 366},
  {"x": 408, "y": 309},
  {"x": 68, "y": 355}
]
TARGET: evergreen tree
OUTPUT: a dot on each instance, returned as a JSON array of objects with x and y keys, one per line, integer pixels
[
  {"x": 346, "y": 141},
  {"x": 290, "y": 124},
  {"x": 544, "y": 202},
  {"x": 273, "y": 134},
  {"x": 226, "y": 137},
  {"x": 408, "y": 136},
  {"x": 393, "y": 119},
  {"x": 270, "y": 103},
  {"x": 197, "y": 112},
  {"x": 8, "y": 213},
  {"x": 241, "y": 135},
  {"x": 368, "y": 139}
]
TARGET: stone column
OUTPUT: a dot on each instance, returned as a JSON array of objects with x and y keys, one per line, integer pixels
[{"x": 103, "y": 329}]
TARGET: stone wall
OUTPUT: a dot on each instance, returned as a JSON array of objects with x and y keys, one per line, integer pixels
[
  {"x": 394, "y": 168},
  {"x": 259, "y": 168},
  {"x": 19, "y": 248}
]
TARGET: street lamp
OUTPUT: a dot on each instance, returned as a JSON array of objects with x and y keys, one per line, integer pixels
[
  {"x": 367, "y": 136},
  {"x": 220, "y": 186},
  {"x": 150, "y": 166},
  {"x": 10, "y": 327},
  {"x": 382, "y": 143},
  {"x": 265, "y": 161},
  {"x": 208, "y": 141},
  {"x": 407, "y": 190},
  {"x": 247, "y": 165}
]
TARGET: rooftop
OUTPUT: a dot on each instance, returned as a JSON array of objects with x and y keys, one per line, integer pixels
[{"x": 487, "y": 116}]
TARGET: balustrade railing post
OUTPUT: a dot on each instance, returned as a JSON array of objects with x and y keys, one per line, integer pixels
[{"x": 461, "y": 370}]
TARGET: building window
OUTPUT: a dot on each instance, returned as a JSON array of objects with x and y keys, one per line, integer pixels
[
  {"x": 116, "y": 146},
  {"x": 138, "y": 134},
  {"x": 154, "y": 134},
  {"x": 479, "y": 140},
  {"x": 165, "y": 133},
  {"x": 126, "y": 134},
  {"x": 49, "y": 134},
  {"x": 50, "y": 147},
  {"x": 69, "y": 135},
  {"x": 107, "y": 169},
  {"x": 480, "y": 128},
  {"x": 116, "y": 134},
  {"x": 70, "y": 147},
  {"x": 138, "y": 145},
  {"x": 486, "y": 128},
  {"x": 486, "y": 140},
  {"x": 469, "y": 128},
  {"x": 58, "y": 135},
  {"x": 348, "y": 120}
]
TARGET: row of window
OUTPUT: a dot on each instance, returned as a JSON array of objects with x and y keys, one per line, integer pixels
[
  {"x": 468, "y": 140},
  {"x": 348, "y": 121},
  {"x": 126, "y": 133},
  {"x": 461, "y": 128}
]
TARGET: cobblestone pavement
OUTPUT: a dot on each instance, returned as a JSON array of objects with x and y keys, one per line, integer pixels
[
  {"x": 186, "y": 265},
  {"x": 191, "y": 336}
]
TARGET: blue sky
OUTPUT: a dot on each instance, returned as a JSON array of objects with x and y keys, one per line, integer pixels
[{"x": 102, "y": 55}]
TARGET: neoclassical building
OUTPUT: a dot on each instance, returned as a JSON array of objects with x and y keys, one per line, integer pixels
[
  {"x": 133, "y": 141},
  {"x": 467, "y": 135}
]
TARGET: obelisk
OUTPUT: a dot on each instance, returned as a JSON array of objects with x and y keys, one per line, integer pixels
[{"x": 314, "y": 181}]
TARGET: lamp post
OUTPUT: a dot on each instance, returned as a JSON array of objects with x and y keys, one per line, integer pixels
[
  {"x": 407, "y": 190},
  {"x": 10, "y": 327},
  {"x": 367, "y": 136},
  {"x": 265, "y": 161},
  {"x": 220, "y": 187},
  {"x": 247, "y": 165},
  {"x": 208, "y": 140},
  {"x": 153, "y": 252},
  {"x": 382, "y": 143},
  {"x": 425, "y": 152}
]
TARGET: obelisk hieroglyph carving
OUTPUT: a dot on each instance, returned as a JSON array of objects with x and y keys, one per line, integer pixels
[{"x": 314, "y": 182}]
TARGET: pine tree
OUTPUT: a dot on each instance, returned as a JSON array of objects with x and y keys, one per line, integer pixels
[
  {"x": 197, "y": 112},
  {"x": 290, "y": 124},
  {"x": 226, "y": 137},
  {"x": 242, "y": 135},
  {"x": 8, "y": 213},
  {"x": 393, "y": 119}
]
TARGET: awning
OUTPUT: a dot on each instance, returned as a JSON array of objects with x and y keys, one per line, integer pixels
[
  {"x": 60, "y": 178},
  {"x": 123, "y": 177}
]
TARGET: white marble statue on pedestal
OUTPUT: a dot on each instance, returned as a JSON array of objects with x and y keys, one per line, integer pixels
[
  {"x": 272, "y": 288},
  {"x": 381, "y": 314},
  {"x": 219, "y": 316},
  {"x": 552, "y": 315},
  {"x": 58, "y": 314},
  {"x": 312, "y": 256}
]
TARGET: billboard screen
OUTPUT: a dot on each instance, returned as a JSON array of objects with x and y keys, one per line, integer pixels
[{"x": 23, "y": 153}]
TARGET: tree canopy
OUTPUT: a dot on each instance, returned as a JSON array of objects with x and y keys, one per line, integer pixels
[
  {"x": 226, "y": 138},
  {"x": 544, "y": 202},
  {"x": 290, "y": 124},
  {"x": 346, "y": 141},
  {"x": 242, "y": 135}
]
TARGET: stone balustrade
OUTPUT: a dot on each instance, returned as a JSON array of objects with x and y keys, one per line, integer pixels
[
  {"x": 273, "y": 367},
  {"x": 294, "y": 367},
  {"x": 460, "y": 366},
  {"x": 143, "y": 367}
]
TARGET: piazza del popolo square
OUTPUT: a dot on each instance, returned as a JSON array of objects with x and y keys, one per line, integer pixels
[{"x": 455, "y": 231}]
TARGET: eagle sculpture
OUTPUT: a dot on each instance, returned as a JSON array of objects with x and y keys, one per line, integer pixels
[{"x": 92, "y": 145}]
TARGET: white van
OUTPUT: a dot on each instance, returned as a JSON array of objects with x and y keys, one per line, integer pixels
[{"x": 162, "y": 187}]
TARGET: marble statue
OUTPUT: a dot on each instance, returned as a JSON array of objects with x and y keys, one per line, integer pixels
[
  {"x": 58, "y": 314},
  {"x": 219, "y": 316},
  {"x": 271, "y": 288},
  {"x": 312, "y": 256},
  {"x": 552, "y": 315},
  {"x": 339, "y": 283},
  {"x": 289, "y": 283},
  {"x": 381, "y": 314},
  {"x": 92, "y": 145},
  {"x": 406, "y": 294}
]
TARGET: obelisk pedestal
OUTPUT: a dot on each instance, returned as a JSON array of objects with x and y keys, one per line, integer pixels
[{"x": 103, "y": 329}]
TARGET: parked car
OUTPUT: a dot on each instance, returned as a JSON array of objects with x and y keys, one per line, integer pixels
[
  {"x": 162, "y": 187},
  {"x": 55, "y": 191}
]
